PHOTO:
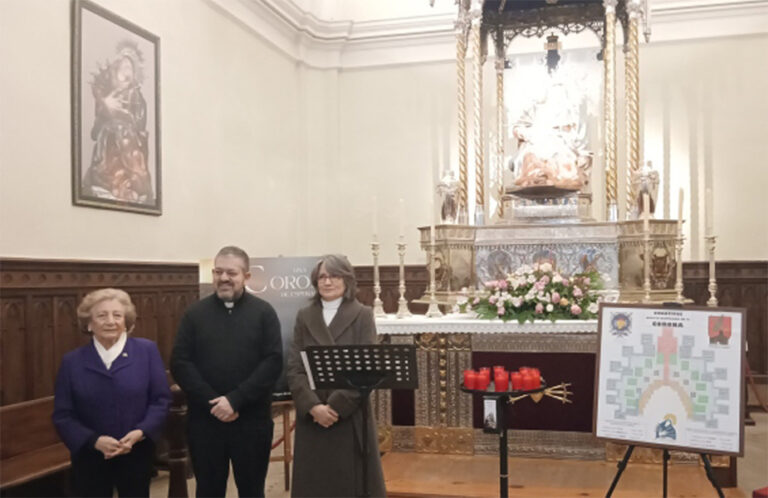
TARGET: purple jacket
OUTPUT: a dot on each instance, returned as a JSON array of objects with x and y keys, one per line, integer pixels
[{"x": 91, "y": 401}]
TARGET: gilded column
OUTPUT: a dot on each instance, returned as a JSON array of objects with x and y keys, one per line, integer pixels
[
  {"x": 476, "y": 15},
  {"x": 461, "y": 80},
  {"x": 632, "y": 77},
  {"x": 500, "y": 121},
  {"x": 609, "y": 111}
]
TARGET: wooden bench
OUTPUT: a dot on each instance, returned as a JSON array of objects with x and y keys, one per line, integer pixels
[{"x": 29, "y": 445}]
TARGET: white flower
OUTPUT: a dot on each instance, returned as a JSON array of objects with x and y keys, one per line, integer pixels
[
  {"x": 550, "y": 308},
  {"x": 546, "y": 267},
  {"x": 517, "y": 301},
  {"x": 529, "y": 296},
  {"x": 593, "y": 307},
  {"x": 557, "y": 278},
  {"x": 531, "y": 279}
]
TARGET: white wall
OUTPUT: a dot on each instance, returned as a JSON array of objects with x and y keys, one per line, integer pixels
[
  {"x": 229, "y": 121},
  {"x": 261, "y": 151}
]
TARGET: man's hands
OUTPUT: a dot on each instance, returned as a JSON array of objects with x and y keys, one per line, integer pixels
[
  {"x": 222, "y": 410},
  {"x": 324, "y": 415},
  {"x": 111, "y": 447}
]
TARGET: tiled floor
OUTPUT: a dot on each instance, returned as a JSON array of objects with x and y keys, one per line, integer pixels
[{"x": 752, "y": 468}]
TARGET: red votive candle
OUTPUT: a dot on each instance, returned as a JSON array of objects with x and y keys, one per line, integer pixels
[
  {"x": 528, "y": 382},
  {"x": 470, "y": 379},
  {"x": 517, "y": 380},
  {"x": 501, "y": 381},
  {"x": 483, "y": 379},
  {"x": 536, "y": 378}
]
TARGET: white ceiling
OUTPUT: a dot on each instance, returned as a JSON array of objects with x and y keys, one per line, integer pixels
[{"x": 364, "y": 33}]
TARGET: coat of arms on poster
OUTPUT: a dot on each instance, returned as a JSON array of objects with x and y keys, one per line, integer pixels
[
  {"x": 115, "y": 112},
  {"x": 671, "y": 377}
]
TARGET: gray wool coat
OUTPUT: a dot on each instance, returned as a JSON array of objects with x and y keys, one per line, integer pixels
[{"x": 328, "y": 462}]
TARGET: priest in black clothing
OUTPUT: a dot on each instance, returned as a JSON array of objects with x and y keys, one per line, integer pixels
[{"x": 227, "y": 358}]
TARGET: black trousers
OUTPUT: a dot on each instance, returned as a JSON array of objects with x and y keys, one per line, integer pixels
[
  {"x": 92, "y": 475},
  {"x": 213, "y": 444}
]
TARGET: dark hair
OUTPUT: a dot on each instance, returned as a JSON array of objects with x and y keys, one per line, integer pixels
[
  {"x": 237, "y": 252},
  {"x": 336, "y": 265}
]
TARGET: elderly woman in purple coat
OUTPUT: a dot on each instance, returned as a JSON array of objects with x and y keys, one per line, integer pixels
[{"x": 111, "y": 400}]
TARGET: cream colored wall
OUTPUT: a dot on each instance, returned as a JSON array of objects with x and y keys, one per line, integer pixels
[
  {"x": 395, "y": 121},
  {"x": 230, "y": 158},
  {"x": 261, "y": 151}
]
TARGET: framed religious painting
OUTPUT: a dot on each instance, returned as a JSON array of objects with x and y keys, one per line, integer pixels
[{"x": 116, "y": 160}]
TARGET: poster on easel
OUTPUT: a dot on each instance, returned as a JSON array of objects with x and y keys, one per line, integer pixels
[{"x": 671, "y": 377}]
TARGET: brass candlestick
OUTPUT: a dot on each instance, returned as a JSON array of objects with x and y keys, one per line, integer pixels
[
  {"x": 402, "y": 304},
  {"x": 434, "y": 310},
  {"x": 712, "y": 287},
  {"x": 378, "y": 306}
]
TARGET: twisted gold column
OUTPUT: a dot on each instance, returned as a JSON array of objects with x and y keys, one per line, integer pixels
[
  {"x": 609, "y": 110},
  {"x": 501, "y": 131},
  {"x": 461, "y": 57},
  {"x": 475, "y": 15},
  {"x": 632, "y": 72}
]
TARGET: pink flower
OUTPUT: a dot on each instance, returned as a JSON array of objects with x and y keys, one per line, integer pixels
[
  {"x": 539, "y": 308},
  {"x": 545, "y": 279},
  {"x": 476, "y": 301},
  {"x": 575, "y": 309},
  {"x": 566, "y": 282},
  {"x": 502, "y": 284},
  {"x": 540, "y": 285},
  {"x": 555, "y": 297},
  {"x": 492, "y": 299},
  {"x": 577, "y": 291},
  {"x": 501, "y": 310}
]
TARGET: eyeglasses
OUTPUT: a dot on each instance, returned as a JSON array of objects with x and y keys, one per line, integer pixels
[
  {"x": 218, "y": 272},
  {"x": 330, "y": 278}
]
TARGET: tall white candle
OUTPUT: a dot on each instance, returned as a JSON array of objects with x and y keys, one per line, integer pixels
[
  {"x": 680, "y": 212},
  {"x": 402, "y": 218},
  {"x": 375, "y": 217},
  {"x": 709, "y": 205}
]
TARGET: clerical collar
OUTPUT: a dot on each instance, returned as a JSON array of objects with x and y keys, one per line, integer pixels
[{"x": 332, "y": 305}]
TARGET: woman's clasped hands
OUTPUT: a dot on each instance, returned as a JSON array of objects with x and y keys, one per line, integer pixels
[
  {"x": 324, "y": 415},
  {"x": 111, "y": 447}
]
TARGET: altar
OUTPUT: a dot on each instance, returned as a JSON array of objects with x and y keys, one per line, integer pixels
[{"x": 439, "y": 418}]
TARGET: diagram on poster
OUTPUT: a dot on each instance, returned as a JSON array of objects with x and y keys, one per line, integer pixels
[{"x": 671, "y": 377}]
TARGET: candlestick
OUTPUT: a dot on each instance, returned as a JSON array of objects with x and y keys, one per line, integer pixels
[
  {"x": 646, "y": 248},
  {"x": 712, "y": 287},
  {"x": 378, "y": 306},
  {"x": 434, "y": 310},
  {"x": 402, "y": 303}
]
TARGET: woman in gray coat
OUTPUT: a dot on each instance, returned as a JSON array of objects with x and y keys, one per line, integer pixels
[{"x": 328, "y": 453}]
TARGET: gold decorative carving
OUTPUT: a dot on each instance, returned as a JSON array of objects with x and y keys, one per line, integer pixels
[
  {"x": 461, "y": 81},
  {"x": 385, "y": 438},
  {"x": 632, "y": 82},
  {"x": 609, "y": 110},
  {"x": 444, "y": 440}
]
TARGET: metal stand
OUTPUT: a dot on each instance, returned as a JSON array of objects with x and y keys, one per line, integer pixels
[
  {"x": 378, "y": 305},
  {"x": 402, "y": 303},
  {"x": 665, "y": 458},
  {"x": 434, "y": 310}
]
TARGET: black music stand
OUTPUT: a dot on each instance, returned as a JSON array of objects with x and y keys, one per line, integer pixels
[{"x": 363, "y": 368}]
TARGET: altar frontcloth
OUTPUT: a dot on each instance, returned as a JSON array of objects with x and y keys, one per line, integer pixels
[{"x": 460, "y": 323}]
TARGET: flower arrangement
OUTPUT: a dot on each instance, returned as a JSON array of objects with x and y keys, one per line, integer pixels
[{"x": 537, "y": 292}]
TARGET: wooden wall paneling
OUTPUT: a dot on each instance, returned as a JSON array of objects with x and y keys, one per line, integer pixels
[
  {"x": 67, "y": 333},
  {"x": 742, "y": 284},
  {"x": 12, "y": 328},
  {"x": 40, "y": 348},
  {"x": 38, "y": 313},
  {"x": 416, "y": 281}
]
